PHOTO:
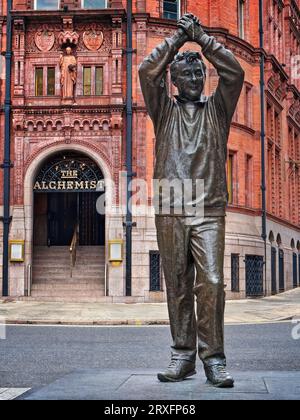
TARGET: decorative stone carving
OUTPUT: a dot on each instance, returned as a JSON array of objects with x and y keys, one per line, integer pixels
[
  {"x": 106, "y": 44},
  {"x": 44, "y": 40},
  {"x": 68, "y": 66},
  {"x": 33, "y": 29},
  {"x": 93, "y": 39},
  {"x": 68, "y": 38}
]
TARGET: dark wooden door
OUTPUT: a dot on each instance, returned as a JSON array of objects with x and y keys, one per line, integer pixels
[
  {"x": 62, "y": 218},
  {"x": 91, "y": 224}
]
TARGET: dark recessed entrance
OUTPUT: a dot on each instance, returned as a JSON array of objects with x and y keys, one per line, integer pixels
[
  {"x": 57, "y": 215},
  {"x": 65, "y": 196}
]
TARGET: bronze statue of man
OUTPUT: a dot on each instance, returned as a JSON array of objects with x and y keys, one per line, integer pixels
[{"x": 191, "y": 143}]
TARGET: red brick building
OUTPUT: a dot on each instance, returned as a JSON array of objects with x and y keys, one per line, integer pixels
[{"x": 68, "y": 134}]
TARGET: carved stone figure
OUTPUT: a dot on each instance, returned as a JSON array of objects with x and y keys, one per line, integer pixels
[
  {"x": 191, "y": 144},
  {"x": 68, "y": 67}
]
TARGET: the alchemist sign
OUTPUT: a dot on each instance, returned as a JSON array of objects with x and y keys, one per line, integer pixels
[{"x": 69, "y": 175}]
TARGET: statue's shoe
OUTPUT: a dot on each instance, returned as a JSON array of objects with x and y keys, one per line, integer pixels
[
  {"x": 177, "y": 371},
  {"x": 218, "y": 376}
]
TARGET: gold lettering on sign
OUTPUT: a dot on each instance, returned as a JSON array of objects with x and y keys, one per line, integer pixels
[
  {"x": 79, "y": 185},
  {"x": 69, "y": 174},
  {"x": 61, "y": 185}
]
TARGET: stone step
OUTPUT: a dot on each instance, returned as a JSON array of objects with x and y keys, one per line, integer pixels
[
  {"x": 63, "y": 288},
  {"x": 60, "y": 270},
  {"x": 68, "y": 280},
  {"x": 68, "y": 299},
  {"x": 68, "y": 295},
  {"x": 62, "y": 263},
  {"x": 68, "y": 285},
  {"x": 61, "y": 278}
]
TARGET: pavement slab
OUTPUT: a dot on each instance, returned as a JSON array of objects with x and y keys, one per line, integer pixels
[
  {"x": 271, "y": 309},
  {"x": 133, "y": 385},
  {"x": 11, "y": 393}
]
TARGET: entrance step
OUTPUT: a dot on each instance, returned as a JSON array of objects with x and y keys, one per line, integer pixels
[{"x": 51, "y": 274}]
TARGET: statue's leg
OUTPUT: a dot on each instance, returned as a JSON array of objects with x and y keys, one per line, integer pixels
[
  {"x": 207, "y": 245},
  {"x": 179, "y": 272}
]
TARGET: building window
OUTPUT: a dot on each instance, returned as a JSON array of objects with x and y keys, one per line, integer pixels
[
  {"x": 46, "y": 4},
  {"x": 248, "y": 106},
  {"x": 99, "y": 81},
  {"x": 248, "y": 181},
  {"x": 51, "y": 81},
  {"x": 235, "y": 272},
  {"x": 92, "y": 81},
  {"x": 87, "y": 81},
  {"x": 94, "y": 4},
  {"x": 39, "y": 81},
  {"x": 241, "y": 18},
  {"x": 230, "y": 177},
  {"x": 171, "y": 9}
]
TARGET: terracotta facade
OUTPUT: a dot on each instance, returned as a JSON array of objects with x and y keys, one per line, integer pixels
[{"x": 95, "y": 125}]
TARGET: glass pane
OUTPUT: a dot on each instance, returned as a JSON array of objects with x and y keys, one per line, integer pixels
[
  {"x": 99, "y": 81},
  {"x": 94, "y": 4},
  {"x": 230, "y": 179},
  {"x": 87, "y": 85},
  {"x": 38, "y": 82},
  {"x": 46, "y": 4},
  {"x": 171, "y": 9},
  {"x": 51, "y": 81}
]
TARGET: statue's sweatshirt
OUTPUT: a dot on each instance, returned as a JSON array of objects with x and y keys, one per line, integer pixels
[{"x": 191, "y": 137}]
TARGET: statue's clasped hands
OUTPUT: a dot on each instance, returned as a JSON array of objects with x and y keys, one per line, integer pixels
[{"x": 190, "y": 25}]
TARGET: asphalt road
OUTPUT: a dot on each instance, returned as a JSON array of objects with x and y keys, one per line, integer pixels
[{"x": 33, "y": 356}]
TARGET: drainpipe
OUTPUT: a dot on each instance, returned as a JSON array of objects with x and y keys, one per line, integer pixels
[
  {"x": 7, "y": 165},
  {"x": 129, "y": 224},
  {"x": 263, "y": 136}
]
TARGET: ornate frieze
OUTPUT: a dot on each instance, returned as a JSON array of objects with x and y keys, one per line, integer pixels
[
  {"x": 51, "y": 37},
  {"x": 58, "y": 125}
]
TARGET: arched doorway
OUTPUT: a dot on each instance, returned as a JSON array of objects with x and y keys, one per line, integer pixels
[{"x": 66, "y": 188}]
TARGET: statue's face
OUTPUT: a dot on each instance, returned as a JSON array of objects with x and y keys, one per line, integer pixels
[
  {"x": 68, "y": 50},
  {"x": 189, "y": 80}
]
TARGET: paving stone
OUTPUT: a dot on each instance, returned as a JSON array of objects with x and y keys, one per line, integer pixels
[{"x": 144, "y": 385}]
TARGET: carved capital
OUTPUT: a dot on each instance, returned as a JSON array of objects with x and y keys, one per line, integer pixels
[{"x": 19, "y": 25}]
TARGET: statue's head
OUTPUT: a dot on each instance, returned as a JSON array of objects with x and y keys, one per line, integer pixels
[
  {"x": 68, "y": 50},
  {"x": 188, "y": 73}
]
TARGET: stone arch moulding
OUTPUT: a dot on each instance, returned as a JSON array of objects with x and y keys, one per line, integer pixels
[
  {"x": 271, "y": 237},
  {"x": 278, "y": 240},
  {"x": 31, "y": 170}
]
